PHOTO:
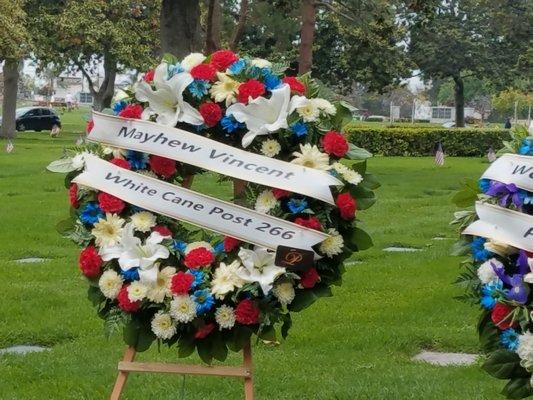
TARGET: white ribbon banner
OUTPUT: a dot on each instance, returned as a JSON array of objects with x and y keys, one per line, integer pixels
[
  {"x": 512, "y": 168},
  {"x": 503, "y": 225},
  {"x": 195, "y": 208},
  {"x": 194, "y": 149}
]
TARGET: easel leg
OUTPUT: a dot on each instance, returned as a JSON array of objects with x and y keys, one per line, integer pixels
[
  {"x": 248, "y": 381},
  {"x": 129, "y": 356}
]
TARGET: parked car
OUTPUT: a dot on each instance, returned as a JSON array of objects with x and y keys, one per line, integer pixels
[{"x": 36, "y": 119}]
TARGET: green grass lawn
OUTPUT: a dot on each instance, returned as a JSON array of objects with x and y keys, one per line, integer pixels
[{"x": 355, "y": 345}]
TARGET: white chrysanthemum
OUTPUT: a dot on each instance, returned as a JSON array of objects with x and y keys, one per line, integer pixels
[
  {"x": 309, "y": 156},
  {"x": 332, "y": 245},
  {"x": 197, "y": 245},
  {"x": 225, "y": 279},
  {"x": 183, "y": 308},
  {"x": 137, "y": 291},
  {"x": 486, "y": 273},
  {"x": 192, "y": 60},
  {"x": 110, "y": 284},
  {"x": 325, "y": 106},
  {"x": 499, "y": 248},
  {"x": 261, "y": 63},
  {"x": 525, "y": 350},
  {"x": 163, "y": 326},
  {"x": 161, "y": 288},
  {"x": 225, "y": 317},
  {"x": 143, "y": 221},
  {"x": 224, "y": 89},
  {"x": 270, "y": 148},
  {"x": 265, "y": 201},
  {"x": 348, "y": 174},
  {"x": 108, "y": 230},
  {"x": 309, "y": 112},
  {"x": 284, "y": 292},
  {"x": 78, "y": 161},
  {"x": 115, "y": 151}
]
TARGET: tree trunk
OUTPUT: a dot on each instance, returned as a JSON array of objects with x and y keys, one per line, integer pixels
[
  {"x": 9, "y": 103},
  {"x": 214, "y": 21},
  {"x": 307, "y": 34},
  {"x": 104, "y": 95},
  {"x": 459, "y": 102},
  {"x": 239, "y": 30},
  {"x": 180, "y": 27}
]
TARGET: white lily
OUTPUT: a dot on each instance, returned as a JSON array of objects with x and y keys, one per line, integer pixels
[
  {"x": 262, "y": 115},
  {"x": 131, "y": 253},
  {"x": 167, "y": 99},
  {"x": 258, "y": 266}
]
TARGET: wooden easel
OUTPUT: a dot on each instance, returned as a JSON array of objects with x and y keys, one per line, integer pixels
[{"x": 128, "y": 363}]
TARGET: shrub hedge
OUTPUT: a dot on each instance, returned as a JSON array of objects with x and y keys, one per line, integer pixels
[{"x": 421, "y": 141}]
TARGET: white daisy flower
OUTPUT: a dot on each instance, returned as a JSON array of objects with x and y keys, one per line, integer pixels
[
  {"x": 225, "y": 317},
  {"x": 270, "y": 148},
  {"x": 143, "y": 221},
  {"x": 137, "y": 291},
  {"x": 225, "y": 279},
  {"x": 110, "y": 284},
  {"x": 309, "y": 112},
  {"x": 224, "y": 89},
  {"x": 332, "y": 245},
  {"x": 352, "y": 177},
  {"x": 192, "y": 60},
  {"x": 161, "y": 287},
  {"x": 163, "y": 326},
  {"x": 325, "y": 106},
  {"x": 265, "y": 201},
  {"x": 115, "y": 151},
  {"x": 284, "y": 292},
  {"x": 183, "y": 308},
  {"x": 310, "y": 156},
  {"x": 108, "y": 231}
]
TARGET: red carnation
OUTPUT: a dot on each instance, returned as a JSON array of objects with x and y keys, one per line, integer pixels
[
  {"x": 110, "y": 203},
  {"x": 311, "y": 222},
  {"x": 309, "y": 278},
  {"x": 230, "y": 243},
  {"x": 73, "y": 195},
  {"x": 149, "y": 75},
  {"x": 222, "y": 59},
  {"x": 120, "y": 162},
  {"x": 295, "y": 84},
  {"x": 211, "y": 113},
  {"x": 90, "y": 126},
  {"x": 205, "y": 72},
  {"x": 335, "y": 143},
  {"x": 90, "y": 262},
  {"x": 162, "y": 166},
  {"x": 252, "y": 88},
  {"x": 205, "y": 330},
  {"x": 200, "y": 257},
  {"x": 280, "y": 193},
  {"x": 131, "y": 111},
  {"x": 124, "y": 301},
  {"x": 502, "y": 316},
  {"x": 162, "y": 230},
  {"x": 181, "y": 283},
  {"x": 247, "y": 313},
  {"x": 347, "y": 206}
]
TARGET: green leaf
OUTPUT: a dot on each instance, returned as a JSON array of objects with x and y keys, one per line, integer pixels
[
  {"x": 267, "y": 333},
  {"x": 370, "y": 181},
  {"x": 365, "y": 197},
  {"x": 241, "y": 336},
  {"x": 205, "y": 350},
  {"x": 287, "y": 323},
  {"x": 489, "y": 334},
  {"x": 461, "y": 248},
  {"x": 169, "y": 58},
  {"x": 468, "y": 195},
  {"x": 343, "y": 116},
  {"x": 65, "y": 227},
  {"x": 357, "y": 153},
  {"x": 136, "y": 334},
  {"x": 518, "y": 388},
  {"x": 94, "y": 295},
  {"x": 220, "y": 351},
  {"x": 186, "y": 347},
  {"x": 358, "y": 240},
  {"x": 303, "y": 299},
  {"x": 63, "y": 166},
  {"x": 504, "y": 364}
]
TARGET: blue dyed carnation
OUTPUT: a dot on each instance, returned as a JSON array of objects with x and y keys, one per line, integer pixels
[
  {"x": 237, "y": 67},
  {"x": 527, "y": 147},
  {"x": 91, "y": 214},
  {"x": 479, "y": 252},
  {"x": 174, "y": 69},
  {"x": 179, "y": 245},
  {"x": 204, "y": 300},
  {"x": 131, "y": 274},
  {"x": 199, "y": 88},
  {"x": 299, "y": 129},
  {"x": 484, "y": 185},
  {"x": 271, "y": 82},
  {"x": 199, "y": 278},
  {"x": 489, "y": 294},
  {"x": 230, "y": 124},
  {"x": 137, "y": 159},
  {"x": 297, "y": 205},
  {"x": 218, "y": 248},
  {"x": 509, "y": 339},
  {"x": 119, "y": 106}
]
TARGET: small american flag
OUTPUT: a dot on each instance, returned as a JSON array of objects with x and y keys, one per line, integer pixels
[
  {"x": 10, "y": 146},
  {"x": 439, "y": 155},
  {"x": 491, "y": 155}
]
